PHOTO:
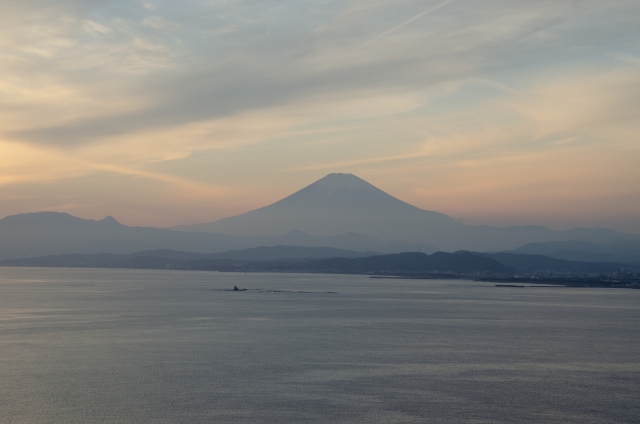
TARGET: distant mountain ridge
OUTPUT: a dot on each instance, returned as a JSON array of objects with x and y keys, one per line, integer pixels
[
  {"x": 51, "y": 233},
  {"x": 540, "y": 263},
  {"x": 623, "y": 251},
  {"x": 46, "y": 233},
  {"x": 270, "y": 253},
  {"x": 413, "y": 262},
  {"x": 401, "y": 263},
  {"x": 318, "y": 259},
  {"x": 262, "y": 253}
]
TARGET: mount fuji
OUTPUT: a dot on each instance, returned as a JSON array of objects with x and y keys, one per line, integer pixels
[
  {"x": 343, "y": 203},
  {"x": 336, "y": 204}
]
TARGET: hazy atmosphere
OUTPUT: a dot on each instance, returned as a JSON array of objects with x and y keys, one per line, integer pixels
[
  {"x": 321, "y": 211},
  {"x": 173, "y": 113}
]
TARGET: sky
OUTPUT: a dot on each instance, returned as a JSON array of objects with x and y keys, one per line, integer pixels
[{"x": 163, "y": 113}]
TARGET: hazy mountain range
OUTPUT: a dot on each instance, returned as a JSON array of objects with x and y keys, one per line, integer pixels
[
  {"x": 339, "y": 211},
  {"x": 263, "y": 253},
  {"x": 318, "y": 259},
  {"x": 51, "y": 233},
  {"x": 277, "y": 258},
  {"x": 615, "y": 251}
]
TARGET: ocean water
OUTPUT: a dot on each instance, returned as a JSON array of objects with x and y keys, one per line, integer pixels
[{"x": 129, "y": 346}]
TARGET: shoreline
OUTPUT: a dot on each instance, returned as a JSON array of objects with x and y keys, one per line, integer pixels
[{"x": 500, "y": 281}]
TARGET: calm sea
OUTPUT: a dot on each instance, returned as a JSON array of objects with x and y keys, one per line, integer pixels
[{"x": 120, "y": 346}]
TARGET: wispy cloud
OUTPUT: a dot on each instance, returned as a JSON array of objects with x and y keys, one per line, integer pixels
[{"x": 405, "y": 23}]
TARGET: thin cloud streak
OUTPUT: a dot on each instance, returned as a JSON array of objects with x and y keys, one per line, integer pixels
[
  {"x": 405, "y": 23},
  {"x": 182, "y": 183}
]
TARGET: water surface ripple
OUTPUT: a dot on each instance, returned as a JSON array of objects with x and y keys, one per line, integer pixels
[{"x": 129, "y": 346}]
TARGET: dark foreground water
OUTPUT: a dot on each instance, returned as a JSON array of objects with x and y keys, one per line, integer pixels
[{"x": 118, "y": 346}]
